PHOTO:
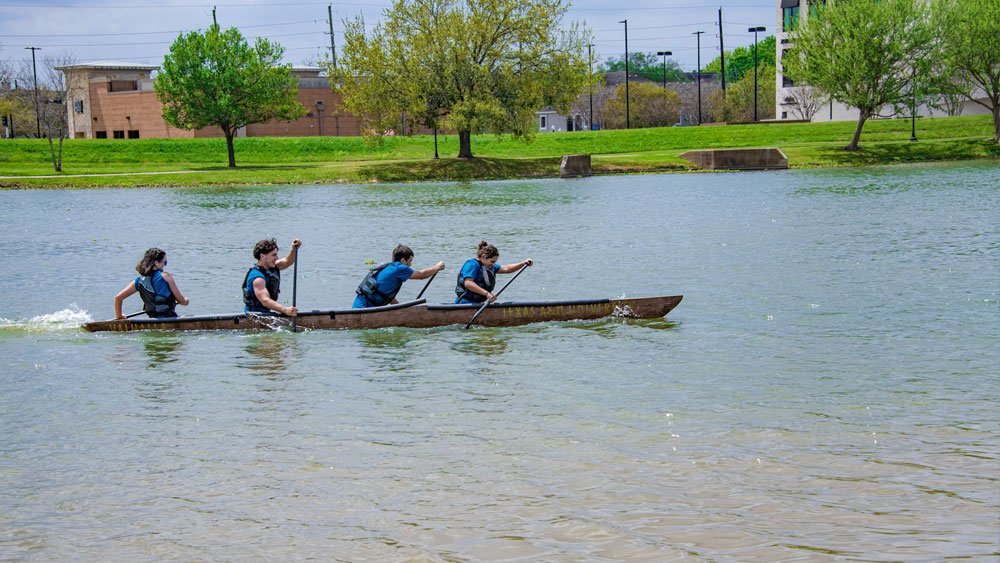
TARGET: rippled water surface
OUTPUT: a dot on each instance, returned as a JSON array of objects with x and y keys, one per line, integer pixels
[{"x": 827, "y": 390}]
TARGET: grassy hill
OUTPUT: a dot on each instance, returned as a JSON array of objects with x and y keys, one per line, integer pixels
[{"x": 349, "y": 159}]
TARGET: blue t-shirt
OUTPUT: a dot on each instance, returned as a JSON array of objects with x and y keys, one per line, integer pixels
[
  {"x": 390, "y": 279},
  {"x": 474, "y": 269},
  {"x": 255, "y": 274}
]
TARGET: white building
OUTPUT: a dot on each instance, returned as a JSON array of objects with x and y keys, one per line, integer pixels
[{"x": 793, "y": 13}]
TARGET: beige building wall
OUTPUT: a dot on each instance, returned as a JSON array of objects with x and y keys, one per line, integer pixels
[{"x": 117, "y": 97}]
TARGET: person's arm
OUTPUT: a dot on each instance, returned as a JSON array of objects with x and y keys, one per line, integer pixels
[
  {"x": 260, "y": 290},
  {"x": 129, "y": 290},
  {"x": 514, "y": 267},
  {"x": 427, "y": 272},
  {"x": 290, "y": 258},
  {"x": 474, "y": 288},
  {"x": 181, "y": 300}
]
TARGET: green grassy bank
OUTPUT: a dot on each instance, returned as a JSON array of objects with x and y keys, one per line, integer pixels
[{"x": 349, "y": 159}]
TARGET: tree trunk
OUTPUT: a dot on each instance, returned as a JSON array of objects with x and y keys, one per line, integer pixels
[
  {"x": 464, "y": 144},
  {"x": 996, "y": 123},
  {"x": 57, "y": 164},
  {"x": 229, "y": 145},
  {"x": 853, "y": 146}
]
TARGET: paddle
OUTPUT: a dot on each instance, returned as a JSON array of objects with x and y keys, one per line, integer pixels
[
  {"x": 487, "y": 304},
  {"x": 295, "y": 281},
  {"x": 135, "y": 314},
  {"x": 426, "y": 285}
]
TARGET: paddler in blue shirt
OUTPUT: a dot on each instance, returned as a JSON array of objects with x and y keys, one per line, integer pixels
[
  {"x": 477, "y": 278},
  {"x": 383, "y": 282},
  {"x": 263, "y": 281},
  {"x": 156, "y": 287}
]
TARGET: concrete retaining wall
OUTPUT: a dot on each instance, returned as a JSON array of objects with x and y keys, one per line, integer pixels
[{"x": 738, "y": 159}]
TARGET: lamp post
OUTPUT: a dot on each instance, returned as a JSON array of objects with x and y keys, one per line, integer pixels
[
  {"x": 664, "y": 54},
  {"x": 698, "y": 34},
  {"x": 38, "y": 120},
  {"x": 590, "y": 63},
  {"x": 626, "y": 75},
  {"x": 754, "y": 30},
  {"x": 319, "y": 115},
  {"x": 913, "y": 108}
]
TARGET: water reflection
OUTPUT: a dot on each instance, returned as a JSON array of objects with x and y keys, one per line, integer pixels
[
  {"x": 161, "y": 348},
  {"x": 386, "y": 347},
  {"x": 483, "y": 342},
  {"x": 234, "y": 197},
  {"x": 270, "y": 352},
  {"x": 448, "y": 195}
]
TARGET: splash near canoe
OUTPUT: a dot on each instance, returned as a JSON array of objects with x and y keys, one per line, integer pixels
[{"x": 413, "y": 314}]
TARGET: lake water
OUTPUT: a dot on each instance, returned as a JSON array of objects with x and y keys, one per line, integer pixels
[{"x": 827, "y": 390}]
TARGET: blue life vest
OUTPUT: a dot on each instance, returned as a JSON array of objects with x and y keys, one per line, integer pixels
[
  {"x": 368, "y": 288},
  {"x": 488, "y": 282},
  {"x": 157, "y": 299},
  {"x": 272, "y": 277}
]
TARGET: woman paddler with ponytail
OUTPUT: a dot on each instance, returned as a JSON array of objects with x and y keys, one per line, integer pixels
[
  {"x": 477, "y": 278},
  {"x": 157, "y": 288}
]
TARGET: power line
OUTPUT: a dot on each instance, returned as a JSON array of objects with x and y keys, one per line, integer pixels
[{"x": 153, "y": 32}]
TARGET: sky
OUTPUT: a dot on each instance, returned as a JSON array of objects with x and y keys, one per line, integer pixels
[{"x": 141, "y": 31}]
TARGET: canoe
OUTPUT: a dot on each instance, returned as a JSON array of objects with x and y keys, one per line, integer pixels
[{"x": 412, "y": 314}]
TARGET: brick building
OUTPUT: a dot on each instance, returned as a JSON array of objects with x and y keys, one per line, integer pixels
[{"x": 115, "y": 100}]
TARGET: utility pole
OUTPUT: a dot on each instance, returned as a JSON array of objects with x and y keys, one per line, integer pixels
[
  {"x": 590, "y": 62},
  {"x": 722, "y": 54},
  {"x": 333, "y": 46},
  {"x": 626, "y": 75},
  {"x": 34, "y": 73},
  {"x": 754, "y": 30},
  {"x": 698, "y": 34}
]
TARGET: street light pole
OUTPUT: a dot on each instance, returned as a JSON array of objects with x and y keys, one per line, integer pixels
[
  {"x": 755, "y": 30},
  {"x": 627, "y": 121},
  {"x": 698, "y": 33},
  {"x": 38, "y": 119},
  {"x": 913, "y": 108},
  {"x": 590, "y": 63},
  {"x": 664, "y": 54}
]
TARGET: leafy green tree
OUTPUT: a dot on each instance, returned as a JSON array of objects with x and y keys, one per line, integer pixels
[
  {"x": 650, "y": 105},
  {"x": 216, "y": 78},
  {"x": 739, "y": 61},
  {"x": 864, "y": 53},
  {"x": 647, "y": 65},
  {"x": 736, "y": 105},
  {"x": 970, "y": 51},
  {"x": 469, "y": 65}
]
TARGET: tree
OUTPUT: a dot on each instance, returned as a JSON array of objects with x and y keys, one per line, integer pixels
[
  {"x": 470, "y": 65},
  {"x": 805, "y": 101},
  {"x": 646, "y": 65},
  {"x": 739, "y": 61},
  {"x": 968, "y": 32},
  {"x": 864, "y": 53},
  {"x": 650, "y": 106},
  {"x": 216, "y": 78},
  {"x": 736, "y": 105}
]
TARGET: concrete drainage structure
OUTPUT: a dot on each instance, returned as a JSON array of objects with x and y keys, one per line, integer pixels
[{"x": 737, "y": 159}]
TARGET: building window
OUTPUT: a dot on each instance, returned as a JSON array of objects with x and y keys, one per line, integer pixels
[
  {"x": 784, "y": 115},
  {"x": 541, "y": 122},
  {"x": 78, "y": 106},
  {"x": 786, "y": 82},
  {"x": 119, "y": 134},
  {"x": 100, "y": 134},
  {"x": 790, "y": 19},
  {"x": 122, "y": 86},
  {"x": 815, "y": 7},
  {"x": 133, "y": 133}
]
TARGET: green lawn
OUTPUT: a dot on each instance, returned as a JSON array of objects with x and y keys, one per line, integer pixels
[{"x": 348, "y": 159}]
